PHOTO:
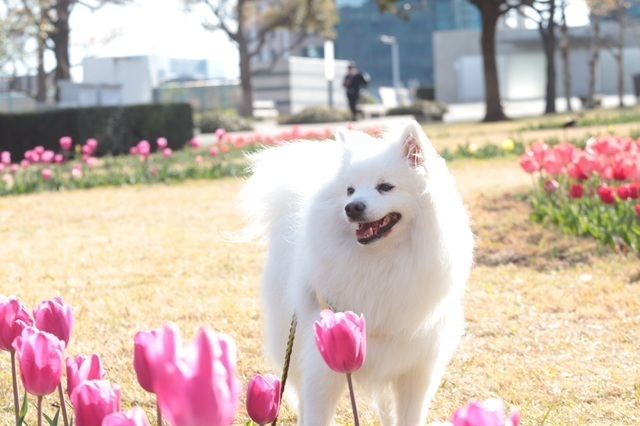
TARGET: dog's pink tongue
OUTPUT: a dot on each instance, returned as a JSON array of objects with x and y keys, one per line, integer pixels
[{"x": 367, "y": 229}]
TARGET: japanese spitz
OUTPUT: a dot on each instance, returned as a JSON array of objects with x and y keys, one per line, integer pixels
[{"x": 370, "y": 225}]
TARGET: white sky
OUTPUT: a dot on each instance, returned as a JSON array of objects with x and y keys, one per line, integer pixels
[{"x": 161, "y": 27}]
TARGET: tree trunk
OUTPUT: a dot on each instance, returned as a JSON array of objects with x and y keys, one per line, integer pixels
[
  {"x": 549, "y": 44},
  {"x": 41, "y": 77},
  {"x": 490, "y": 12},
  {"x": 593, "y": 61},
  {"x": 620, "y": 57},
  {"x": 60, "y": 37},
  {"x": 564, "y": 51},
  {"x": 246, "y": 107}
]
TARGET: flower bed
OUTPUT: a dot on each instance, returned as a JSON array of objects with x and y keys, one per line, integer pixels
[{"x": 592, "y": 191}]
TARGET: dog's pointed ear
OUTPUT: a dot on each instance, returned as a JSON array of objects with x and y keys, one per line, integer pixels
[
  {"x": 341, "y": 134},
  {"x": 412, "y": 140}
]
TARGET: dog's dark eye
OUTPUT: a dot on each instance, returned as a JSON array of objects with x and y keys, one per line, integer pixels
[
  {"x": 350, "y": 191},
  {"x": 384, "y": 187}
]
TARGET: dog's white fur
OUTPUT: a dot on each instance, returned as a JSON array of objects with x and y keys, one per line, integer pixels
[{"x": 408, "y": 284}]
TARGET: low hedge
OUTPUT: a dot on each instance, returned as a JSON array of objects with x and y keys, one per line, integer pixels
[
  {"x": 115, "y": 128},
  {"x": 319, "y": 114},
  {"x": 212, "y": 120}
]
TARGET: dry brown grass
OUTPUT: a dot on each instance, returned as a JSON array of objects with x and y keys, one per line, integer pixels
[{"x": 553, "y": 324}]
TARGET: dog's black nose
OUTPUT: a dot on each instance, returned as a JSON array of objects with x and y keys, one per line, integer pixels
[{"x": 355, "y": 209}]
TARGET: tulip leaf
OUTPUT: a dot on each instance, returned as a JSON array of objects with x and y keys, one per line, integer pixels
[
  {"x": 54, "y": 421},
  {"x": 23, "y": 410}
]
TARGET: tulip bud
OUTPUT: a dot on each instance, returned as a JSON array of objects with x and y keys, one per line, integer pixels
[
  {"x": 133, "y": 417},
  {"x": 195, "y": 385},
  {"x": 83, "y": 368},
  {"x": 40, "y": 358},
  {"x": 143, "y": 342},
  {"x": 485, "y": 413},
  {"x": 93, "y": 400},
  {"x": 341, "y": 339},
  {"x": 263, "y": 398},
  {"x": 54, "y": 317},
  {"x": 13, "y": 319}
]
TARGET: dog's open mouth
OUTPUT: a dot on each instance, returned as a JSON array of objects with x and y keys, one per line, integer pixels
[{"x": 371, "y": 231}]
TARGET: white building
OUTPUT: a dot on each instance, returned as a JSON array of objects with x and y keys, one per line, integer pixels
[{"x": 459, "y": 75}]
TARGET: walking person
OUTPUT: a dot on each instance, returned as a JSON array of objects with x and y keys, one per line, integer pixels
[{"x": 353, "y": 82}]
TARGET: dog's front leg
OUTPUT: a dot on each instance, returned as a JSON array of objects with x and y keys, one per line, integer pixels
[
  {"x": 413, "y": 397},
  {"x": 321, "y": 388}
]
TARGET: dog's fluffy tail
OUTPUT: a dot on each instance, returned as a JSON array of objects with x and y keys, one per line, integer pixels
[{"x": 281, "y": 179}]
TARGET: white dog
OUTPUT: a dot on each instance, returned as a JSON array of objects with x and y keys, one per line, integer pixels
[{"x": 373, "y": 226}]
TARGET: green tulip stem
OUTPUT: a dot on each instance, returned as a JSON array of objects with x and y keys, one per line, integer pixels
[
  {"x": 63, "y": 405},
  {"x": 356, "y": 422},
  {"x": 159, "y": 412},
  {"x": 39, "y": 410},
  {"x": 14, "y": 377}
]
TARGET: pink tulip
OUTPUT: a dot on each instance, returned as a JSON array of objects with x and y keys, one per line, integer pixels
[
  {"x": 38, "y": 149},
  {"x": 213, "y": 151},
  {"x": 40, "y": 358},
  {"x": 47, "y": 156},
  {"x": 133, "y": 150},
  {"x": 92, "y": 143},
  {"x": 93, "y": 400},
  {"x": 198, "y": 159},
  {"x": 166, "y": 153},
  {"x": 195, "y": 386},
  {"x": 224, "y": 148},
  {"x": 58, "y": 159},
  {"x": 46, "y": 174},
  {"x": 220, "y": 133},
  {"x": 142, "y": 345},
  {"x": 13, "y": 319},
  {"x": 24, "y": 163},
  {"x": 133, "y": 417},
  {"x": 7, "y": 179},
  {"x": 76, "y": 172},
  {"x": 144, "y": 148},
  {"x": 14, "y": 168},
  {"x": 341, "y": 339},
  {"x": 54, "y": 317},
  {"x": 263, "y": 398},
  {"x": 194, "y": 143},
  {"x": 83, "y": 368},
  {"x": 528, "y": 162},
  {"x": 65, "y": 143},
  {"x": 485, "y": 413},
  {"x": 5, "y": 158},
  {"x": 162, "y": 143}
]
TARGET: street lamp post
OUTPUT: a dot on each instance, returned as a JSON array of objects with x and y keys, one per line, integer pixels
[{"x": 395, "y": 62}]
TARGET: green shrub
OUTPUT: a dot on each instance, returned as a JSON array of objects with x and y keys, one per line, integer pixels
[
  {"x": 421, "y": 110},
  {"x": 212, "y": 120},
  {"x": 317, "y": 115},
  {"x": 115, "y": 128}
]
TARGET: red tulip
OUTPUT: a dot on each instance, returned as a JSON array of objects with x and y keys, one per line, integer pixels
[
  {"x": 576, "y": 191},
  {"x": 637, "y": 208},
  {"x": 83, "y": 368},
  {"x": 133, "y": 417},
  {"x": 13, "y": 319},
  {"x": 263, "y": 398},
  {"x": 195, "y": 386},
  {"x": 341, "y": 339},
  {"x": 143, "y": 342},
  {"x": 606, "y": 194},
  {"x": 40, "y": 359},
  {"x": 54, "y": 317},
  {"x": 485, "y": 413},
  {"x": 93, "y": 400},
  {"x": 634, "y": 190},
  {"x": 623, "y": 192}
]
